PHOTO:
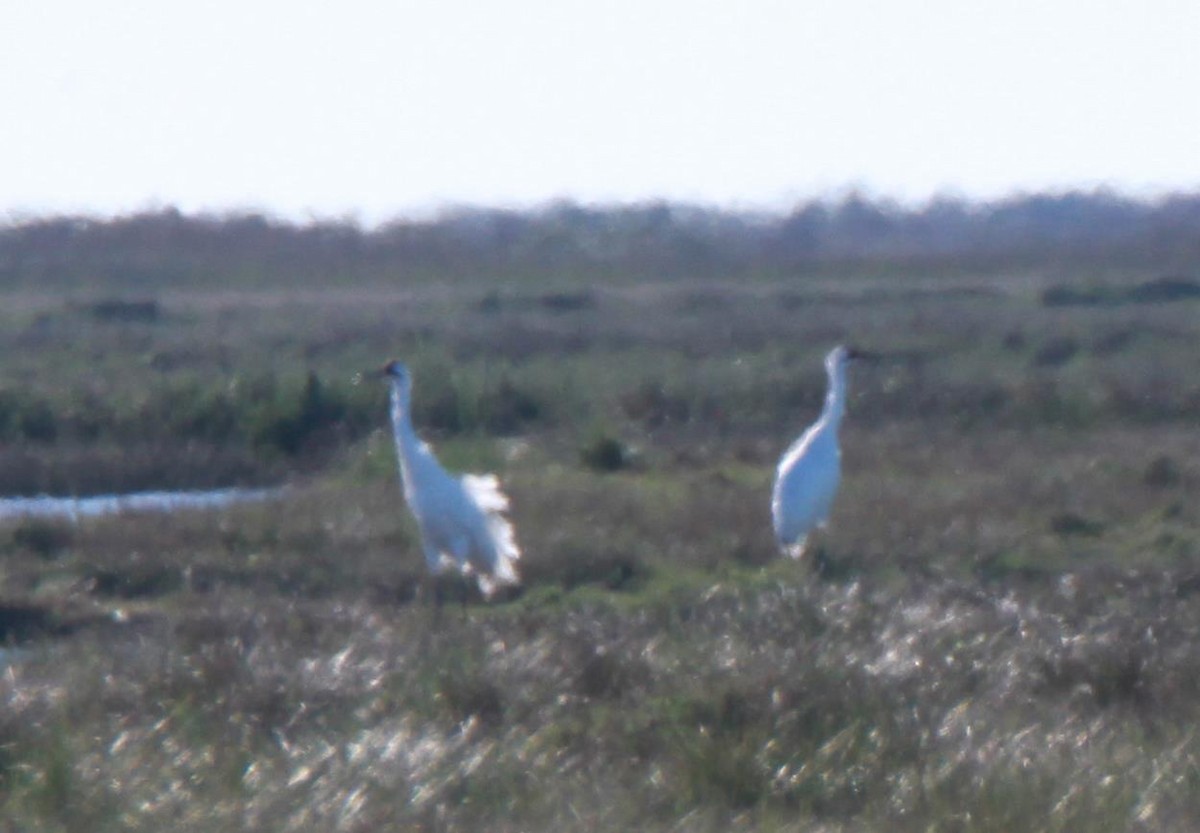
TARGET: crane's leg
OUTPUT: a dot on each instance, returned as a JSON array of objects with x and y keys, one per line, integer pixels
[
  {"x": 824, "y": 565},
  {"x": 439, "y": 597},
  {"x": 433, "y": 585},
  {"x": 812, "y": 551},
  {"x": 427, "y": 611},
  {"x": 460, "y": 552}
]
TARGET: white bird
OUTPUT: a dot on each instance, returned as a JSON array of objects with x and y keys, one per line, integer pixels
[
  {"x": 460, "y": 519},
  {"x": 809, "y": 473}
]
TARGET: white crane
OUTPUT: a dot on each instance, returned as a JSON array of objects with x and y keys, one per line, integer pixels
[
  {"x": 807, "y": 479},
  {"x": 460, "y": 519}
]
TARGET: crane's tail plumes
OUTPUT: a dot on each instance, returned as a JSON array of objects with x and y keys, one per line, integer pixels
[{"x": 485, "y": 490}]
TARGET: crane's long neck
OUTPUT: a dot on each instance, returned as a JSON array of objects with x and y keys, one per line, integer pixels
[
  {"x": 835, "y": 397},
  {"x": 408, "y": 444}
]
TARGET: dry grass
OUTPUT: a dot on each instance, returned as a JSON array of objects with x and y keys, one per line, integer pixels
[{"x": 750, "y": 701}]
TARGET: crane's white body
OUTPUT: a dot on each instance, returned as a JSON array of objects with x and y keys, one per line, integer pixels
[
  {"x": 460, "y": 519},
  {"x": 810, "y": 471}
]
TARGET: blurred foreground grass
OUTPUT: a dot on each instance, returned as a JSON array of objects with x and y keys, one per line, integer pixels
[{"x": 1001, "y": 634}]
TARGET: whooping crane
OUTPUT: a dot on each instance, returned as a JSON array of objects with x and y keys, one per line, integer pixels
[
  {"x": 460, "y": 519},
  {"x": 809, "y": 472}
]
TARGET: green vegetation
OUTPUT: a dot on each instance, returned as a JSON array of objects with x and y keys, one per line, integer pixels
[{"x": 997, "y": 633}]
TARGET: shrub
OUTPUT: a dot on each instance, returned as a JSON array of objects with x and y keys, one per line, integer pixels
[
  {"x": 651, "y": 405},
  {"x": 508, "y": 408},
  {"x": 119, "y": 309},
  {"x": 25, "y": 416},
  {"x": 468, "y": 694},
  {"x": 1161, "y": 472},
  {"x": 289, "y": 423},
  {"x": 1062, "y": 296},
  {"x": 1056, "y": 352},
  {"x": 44, "y": 538},
  {"x": 1163, "y": 290},
  {"x": 568, "y": 301},
  {"x": 604, "y": 453},
  {"x": 1070, "y": 523}
]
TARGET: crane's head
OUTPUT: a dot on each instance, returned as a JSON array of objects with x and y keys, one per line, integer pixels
[
  {"x": 397, "y": 373},
  {"x": 840, "y": 357},
  {"x": 395, "y": 369},
  {"x": 842, "y": 354}
]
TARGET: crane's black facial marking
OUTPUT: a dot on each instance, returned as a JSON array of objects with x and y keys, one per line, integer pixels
[{"x": 395, "y": 369}]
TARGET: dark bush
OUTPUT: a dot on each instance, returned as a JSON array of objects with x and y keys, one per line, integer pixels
[
  {"x": 568, "y": 301},
  {"x": 119, "y": 309},
  {"x": 22, "y": 622},
  {"x": 290, "y": 423},
  {"x": 1056, "y": 352},
  {"x": 1160, "y": 290},
  {"x": 490, "y": 304},
  {"x": 454, "y": 406},
  {"x": 1062, "y": 296},
  {"x": 44, "y": 538},
  {"x": 1112, "y": 343},
  {"x": 606, "y": 673},
  {"x": 470, "y": 695},
  {"x": 1070, "y": 523},
  {"x": 1015, "y": 341},
  {"x": 1164, "y": 290},
  {"x": 651, "y": 405},
  {"x": 1161, "y": 473},
  {"x": 137, "y": 583},
  {"x": 604, "y": 454},
  {"x": 26, "y": 417},
  {"x": 190, "y": 411},
  {"x": 508, "y": 408}
]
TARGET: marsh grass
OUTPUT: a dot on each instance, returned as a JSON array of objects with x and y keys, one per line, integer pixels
[{"x": 999, "y": 635}]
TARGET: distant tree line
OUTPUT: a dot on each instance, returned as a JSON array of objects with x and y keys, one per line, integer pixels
[{"x": 166, "y": 248}]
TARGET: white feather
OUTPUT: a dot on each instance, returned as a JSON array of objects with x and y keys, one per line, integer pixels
[
  {"x": 810, "y": 471},
  {"x": 461, "y": 520}
]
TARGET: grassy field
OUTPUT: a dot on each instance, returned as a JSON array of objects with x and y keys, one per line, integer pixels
[{"x": 999, "y": 633}]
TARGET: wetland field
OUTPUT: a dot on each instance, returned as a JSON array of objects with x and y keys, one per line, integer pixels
[{"x": 999, "y": 631}]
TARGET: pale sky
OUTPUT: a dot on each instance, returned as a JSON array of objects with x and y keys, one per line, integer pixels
[{"x": 373, "y": 109}]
